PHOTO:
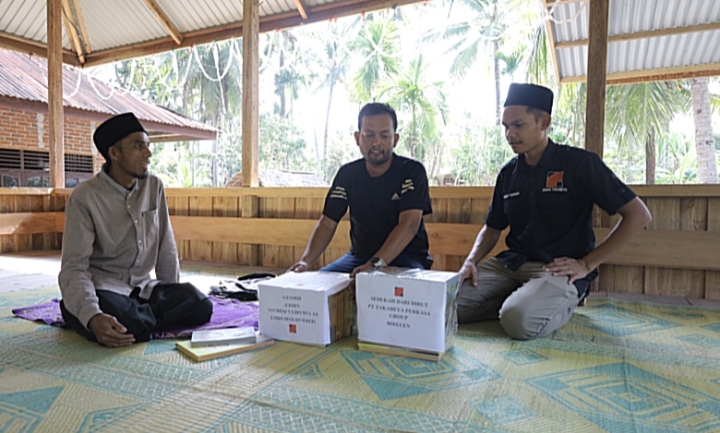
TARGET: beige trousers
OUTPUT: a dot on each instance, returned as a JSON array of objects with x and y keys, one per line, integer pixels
[{"x": 529, "y": 302}]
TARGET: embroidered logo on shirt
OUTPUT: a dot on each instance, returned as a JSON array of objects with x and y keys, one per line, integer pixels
[
  {"x": 554, "y": 182},
  {"x": 395, "y": 197},
  {"x": 399, "y": 291},
  {"x": 339, "y": 192},
  {"x": 407, "y": 186}
]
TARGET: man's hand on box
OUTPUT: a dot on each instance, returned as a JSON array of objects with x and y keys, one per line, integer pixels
[
  {"x": 300, "y": 266},
  {"x": 367, "y": 266}
]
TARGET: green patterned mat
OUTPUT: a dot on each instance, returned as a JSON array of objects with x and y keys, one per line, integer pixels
[{"x": 617, "y": 367}]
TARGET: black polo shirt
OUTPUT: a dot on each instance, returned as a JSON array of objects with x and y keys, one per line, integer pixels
[
  {"x": 549, "y": 206},
  {"x": 376, "y": 203}
]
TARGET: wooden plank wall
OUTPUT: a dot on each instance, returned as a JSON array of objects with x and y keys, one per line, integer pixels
[
  {"x": 675, "y": 208},
  {"x": 24, "y": 200}
]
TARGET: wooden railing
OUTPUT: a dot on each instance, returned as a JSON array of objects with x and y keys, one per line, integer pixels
[{"x": 678, "y": 254}]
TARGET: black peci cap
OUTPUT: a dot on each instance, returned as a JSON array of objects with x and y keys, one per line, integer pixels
[
  {"x": 115, "y": 129},
  {"x": 530, "y": 95}
]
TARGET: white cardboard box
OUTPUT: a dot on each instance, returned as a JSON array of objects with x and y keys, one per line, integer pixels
[
  {"x": 306, "y": 307},
  {"x": 408, "y": 308}
]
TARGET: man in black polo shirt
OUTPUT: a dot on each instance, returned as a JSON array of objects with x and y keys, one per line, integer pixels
[
  {"x": 387, "y": 195},
  {"x": 546, "y": 195}
]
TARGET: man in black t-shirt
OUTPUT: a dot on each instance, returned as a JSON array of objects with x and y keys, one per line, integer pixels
[
  {"x": 387, "y": 195},
  {"x": 546, "y": 196}
]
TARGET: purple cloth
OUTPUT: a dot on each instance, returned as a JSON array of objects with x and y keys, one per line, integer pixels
[{"x": 227, "y": 313}]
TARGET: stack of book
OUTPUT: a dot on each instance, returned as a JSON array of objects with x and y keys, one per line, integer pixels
[
  {"x": 400, "y": 351},
  {"x": 215, "y": 343}
]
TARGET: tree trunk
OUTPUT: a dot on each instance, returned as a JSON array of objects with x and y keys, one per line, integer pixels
[
  {"x": 281, "y": 86},
  {"x": 650, "y": 156},
  {"x": 318, "y": 166},
  {"x": 327, "y": 125},
  {"x": 704, "y": 143},
  {"x": 496, "y": 65},
  {"x": 215, "y": 155}
]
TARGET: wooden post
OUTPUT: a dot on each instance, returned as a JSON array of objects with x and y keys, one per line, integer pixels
[
  {"x": 596, "y": 86},
  {"x": 55, "y": 94},
  {"x": 596, "y": 76},
  {"x": 249, "y": 254},
  {"x": 250, "y": 96}
]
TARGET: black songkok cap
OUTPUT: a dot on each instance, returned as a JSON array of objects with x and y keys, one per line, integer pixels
[
  {"x": 115, "y": 129},
  {"x": 530, "y": 95}
]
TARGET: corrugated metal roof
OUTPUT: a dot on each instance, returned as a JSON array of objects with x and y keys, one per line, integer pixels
[
  {"x": 189, "y": 15},
  {"x": 121, "y": 29},
  {"x": 25, "y": 77},
  {"x": 118, "y": 23},
  {"x": 627, "y": 18}
]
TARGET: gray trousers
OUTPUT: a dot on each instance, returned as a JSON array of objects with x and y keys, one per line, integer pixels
[{"x": 529, "y": 302}]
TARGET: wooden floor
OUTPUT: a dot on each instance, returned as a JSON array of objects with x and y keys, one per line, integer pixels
[{"x": 35, "y": 269}]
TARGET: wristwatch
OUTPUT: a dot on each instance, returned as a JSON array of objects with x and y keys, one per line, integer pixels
[{"x": 377, "y": 262}]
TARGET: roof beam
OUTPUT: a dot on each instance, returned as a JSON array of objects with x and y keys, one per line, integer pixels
[
  {"x": 302, "y": 8},
  {"x": 275, "y": 22},
  {"x": 645, "y": 35},
  {"x": 72, "y": 30},
  {"x": 165, "y": 21},
  {"x": 664, "y": 74},
  {"x": 81, "y": 24},
  {"x": 553, "y": 51},
  {"x": 28, "y": 46}
]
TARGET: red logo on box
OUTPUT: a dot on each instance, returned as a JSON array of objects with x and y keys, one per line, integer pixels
[
  {"x": 293, "y": 329},
  {"x": 399, "y": 291}
]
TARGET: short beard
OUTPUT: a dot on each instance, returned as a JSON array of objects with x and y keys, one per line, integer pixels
[
  {"x": 142, "y": 176},
  {"x": 380, "y": 161}
]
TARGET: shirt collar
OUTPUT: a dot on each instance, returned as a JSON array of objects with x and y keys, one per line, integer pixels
[
  {"x": 116, "y": 185},
  {"x": 548, "y": 155},
  {"x": 545, "y": 159}
]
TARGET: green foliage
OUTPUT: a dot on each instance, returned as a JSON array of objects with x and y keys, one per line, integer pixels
[
  {"x": 391, "y": 56},
  {"x": 179, "y": 165},
  {"x": 424, "y": 101},
  {"x": 481, "y": 153},
  {"x": 377, "y": 43},
  {"x": 633, "y": 110},
  {"x": 283, "y": 146}
]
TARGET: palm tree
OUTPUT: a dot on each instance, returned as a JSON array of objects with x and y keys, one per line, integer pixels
[
  {"x": 378, "y": 44},
  {"x": 332, "y": 57},
  {"x": 290, "y": 74},
  {"x": 637, "y": 113},
  {"x": 425, "y": 101},
  {"x": 704, "y": 142},
  {"x": 203, "y": 82},
  {"x": 539, "y": 66},
  {"x": 480, "y": 28}
]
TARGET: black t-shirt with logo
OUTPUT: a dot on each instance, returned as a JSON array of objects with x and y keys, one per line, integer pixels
[
  {"x": 549, "y": 206},
  {"x": 376, "y": 203}
]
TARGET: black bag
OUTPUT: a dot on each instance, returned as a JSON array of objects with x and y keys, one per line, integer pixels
[{"x": 245, "y": 287}]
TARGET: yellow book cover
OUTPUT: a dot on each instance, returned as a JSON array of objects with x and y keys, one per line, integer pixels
[
  {"x": 399, "y": 351},
  {"x": 212, "y": 352}
]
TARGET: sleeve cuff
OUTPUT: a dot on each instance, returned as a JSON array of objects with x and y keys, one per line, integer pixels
[{"x": 88, "y": 312}]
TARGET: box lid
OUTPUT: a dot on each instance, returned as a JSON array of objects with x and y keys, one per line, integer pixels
[
  {"x": 413, "y": 274},
  {"x": 329, "y": 282}
]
